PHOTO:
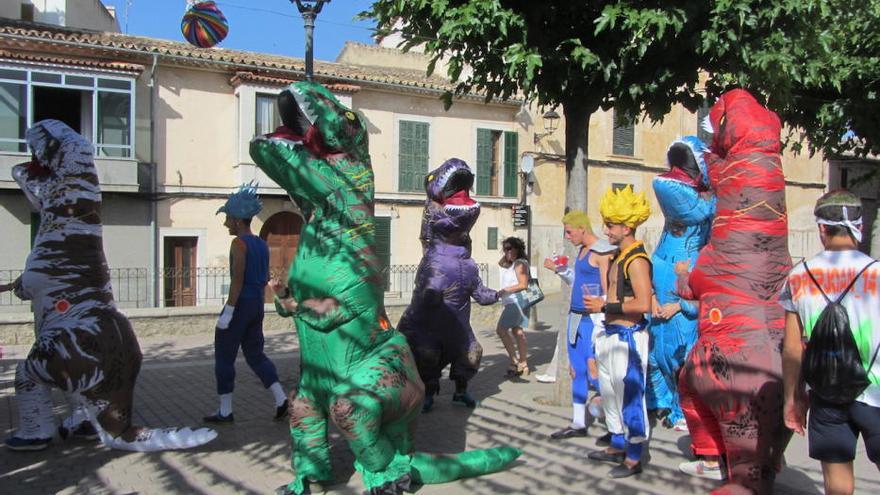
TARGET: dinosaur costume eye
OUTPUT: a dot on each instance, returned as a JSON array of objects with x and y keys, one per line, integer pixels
[
  {"x": 349, "y": 115},
  {"x": 430, "y": 177}
]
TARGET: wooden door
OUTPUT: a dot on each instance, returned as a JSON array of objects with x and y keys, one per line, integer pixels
[
  {"x": 281, "y": 232},
  {"x": 180, "y": 271}
]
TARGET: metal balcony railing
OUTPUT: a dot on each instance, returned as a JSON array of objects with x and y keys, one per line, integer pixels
[{"x": 200, "y": 286}]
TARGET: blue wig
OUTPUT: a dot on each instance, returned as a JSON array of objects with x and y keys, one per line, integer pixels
[{"x": 243, "y": 203}]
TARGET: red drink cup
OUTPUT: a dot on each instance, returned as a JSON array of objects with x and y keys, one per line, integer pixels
[{"x": 560, "y": 260}]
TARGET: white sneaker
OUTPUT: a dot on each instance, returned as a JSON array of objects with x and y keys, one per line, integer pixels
[
  {"x": 701, "y": 470},
  {"x": 680, "y": 425},
  {"x": 545, "y": 378}
]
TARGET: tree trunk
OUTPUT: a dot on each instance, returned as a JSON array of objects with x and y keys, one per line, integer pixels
[
  {"x": 577, "y": 129},
  {"x": 577, "y": 137}
]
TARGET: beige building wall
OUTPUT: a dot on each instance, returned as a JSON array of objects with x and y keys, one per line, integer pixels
[
  {"x": 15, "y": 243},
  {"x": 87, "y": 14},
  {"x": 90, "y": 14},
  {"x": 452, "y": 132},
  {"x": 196, "y": 135},
  {"x": 10, "y": 9}
]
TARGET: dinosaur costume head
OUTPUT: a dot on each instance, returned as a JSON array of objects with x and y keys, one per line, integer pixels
[
  {"x": 450, "y": 213},
  {"x": 685, "y": 156},
  {"x": 742, "y": 125},
  {"x": 320, "y": 150},
  {"x": 60, "y": 180}
]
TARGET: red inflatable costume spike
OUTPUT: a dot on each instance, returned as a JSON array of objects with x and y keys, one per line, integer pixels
[{"x": 731, "y": 385}]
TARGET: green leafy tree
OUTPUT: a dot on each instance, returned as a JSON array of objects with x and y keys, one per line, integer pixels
[{"x": 815, "y": 62}]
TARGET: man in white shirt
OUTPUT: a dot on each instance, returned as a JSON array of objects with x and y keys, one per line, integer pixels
[{"x": 834, "y": 428}]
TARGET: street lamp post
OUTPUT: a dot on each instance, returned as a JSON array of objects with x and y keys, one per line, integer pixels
[{"x": 309, "y": 10}]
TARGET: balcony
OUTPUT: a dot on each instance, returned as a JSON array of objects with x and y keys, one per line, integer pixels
[{"x": 114, "y": 175}]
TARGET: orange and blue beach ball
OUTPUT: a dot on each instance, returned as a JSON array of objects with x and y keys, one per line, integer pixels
[{"x": 204, "y": 25}]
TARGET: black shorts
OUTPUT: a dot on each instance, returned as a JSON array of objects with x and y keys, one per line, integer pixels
[{"x": 834, "y": 430}]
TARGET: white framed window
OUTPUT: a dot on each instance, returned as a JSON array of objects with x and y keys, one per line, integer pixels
[
  {"x": 98, "y": 106},
  {"x": 266, "y": 112}
]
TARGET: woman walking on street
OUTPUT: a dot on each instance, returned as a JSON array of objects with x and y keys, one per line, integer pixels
[{"x": 515, "y": 315}]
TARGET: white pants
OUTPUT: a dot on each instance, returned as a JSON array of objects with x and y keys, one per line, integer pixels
[{"x": 612, "y": 359}]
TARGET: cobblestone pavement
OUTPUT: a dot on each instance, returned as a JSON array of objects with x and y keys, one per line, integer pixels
[{"x": 176, "y": 388}]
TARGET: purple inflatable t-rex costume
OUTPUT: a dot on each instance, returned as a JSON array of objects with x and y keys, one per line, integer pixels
[{"x": 437, "y": 322}]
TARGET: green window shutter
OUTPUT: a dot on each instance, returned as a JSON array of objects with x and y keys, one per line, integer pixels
[
  {"x": 492, "y": 236},
  {"x": 484, "y": 161},
  {"x": 412, "y": 155},
  {"x": 511, "y": 152},
  {"x": 383, "y": 247},
  {"x": 623, "y": 138}
]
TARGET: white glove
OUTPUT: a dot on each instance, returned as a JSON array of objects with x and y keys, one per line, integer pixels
[{"x": 225, "y": 317}]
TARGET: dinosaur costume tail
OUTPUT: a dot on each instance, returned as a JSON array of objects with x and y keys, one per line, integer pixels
[{"x": 442, "y": 468}]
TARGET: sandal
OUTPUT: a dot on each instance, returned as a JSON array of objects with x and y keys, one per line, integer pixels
[
  {"x": 512, "y": 371},
  {"x": 522, "y": 369}
]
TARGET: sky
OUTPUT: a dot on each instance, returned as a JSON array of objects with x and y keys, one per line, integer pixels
[{"x": 266, "y": 26}]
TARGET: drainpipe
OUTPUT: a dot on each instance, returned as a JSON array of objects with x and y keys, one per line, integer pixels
[{"x": 154, "y": 184}]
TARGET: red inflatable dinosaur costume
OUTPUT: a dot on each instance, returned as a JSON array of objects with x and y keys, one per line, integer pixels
[{"x": 731, "y": 385}]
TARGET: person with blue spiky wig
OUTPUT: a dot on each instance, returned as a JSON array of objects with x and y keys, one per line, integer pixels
[{"x": 241, "y": 321}]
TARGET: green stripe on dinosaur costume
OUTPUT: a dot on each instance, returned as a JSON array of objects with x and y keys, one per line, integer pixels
[{"x": 356, "y": 369}]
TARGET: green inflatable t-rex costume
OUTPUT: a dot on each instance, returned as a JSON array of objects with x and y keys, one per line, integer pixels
[{"x": 356, "y": 369}]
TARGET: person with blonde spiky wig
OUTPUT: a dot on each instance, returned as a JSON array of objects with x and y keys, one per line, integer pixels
[{"x": 622, "y": 348}]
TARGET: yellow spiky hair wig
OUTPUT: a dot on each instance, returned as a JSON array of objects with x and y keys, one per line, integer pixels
[
  {"x": 623, "y": 206},
  {"x": 577, "y": 218}
]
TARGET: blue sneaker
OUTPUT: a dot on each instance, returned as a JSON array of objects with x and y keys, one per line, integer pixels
[
  {"x": 428, "y": 403},
  {"x": 23, "y": 444},
  {"x": 464, "y": 399}
]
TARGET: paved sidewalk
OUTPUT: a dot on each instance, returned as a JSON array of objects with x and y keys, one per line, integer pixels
[{"x": 176, "y": 388}]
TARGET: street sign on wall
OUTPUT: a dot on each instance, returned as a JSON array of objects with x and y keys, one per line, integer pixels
[{"x": 521, "y": 216}]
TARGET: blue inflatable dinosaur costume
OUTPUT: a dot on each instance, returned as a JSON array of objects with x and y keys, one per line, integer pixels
[{"x": 688, "y": 215}]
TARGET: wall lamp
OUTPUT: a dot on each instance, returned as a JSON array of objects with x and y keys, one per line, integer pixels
[{"x": 551, "y": 123}]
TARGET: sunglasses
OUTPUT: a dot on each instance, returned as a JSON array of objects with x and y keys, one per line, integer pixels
[{"x": 508, "y": 248}]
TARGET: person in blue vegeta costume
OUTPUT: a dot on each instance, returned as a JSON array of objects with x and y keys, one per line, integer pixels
[
  {"x": 437, "y": 322},
  {"x": 588, "y": 273},
  {"x": 688, "y": 209}
]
